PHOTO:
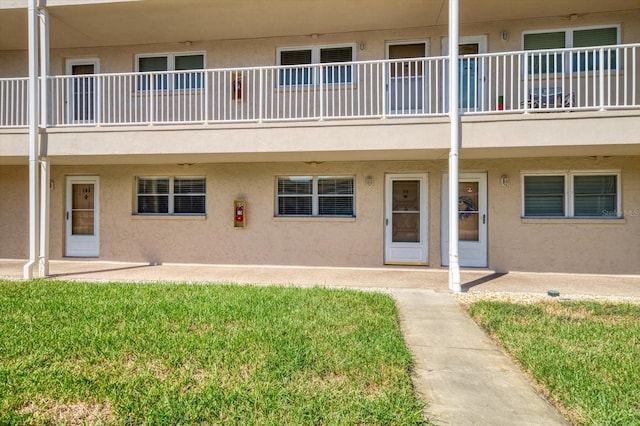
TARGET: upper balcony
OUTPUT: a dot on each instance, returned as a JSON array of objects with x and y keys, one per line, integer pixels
[{"x": 582, "y": 79}]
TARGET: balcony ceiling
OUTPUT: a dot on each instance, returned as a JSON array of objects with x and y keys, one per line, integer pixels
[{"x": 127, "y": 22}]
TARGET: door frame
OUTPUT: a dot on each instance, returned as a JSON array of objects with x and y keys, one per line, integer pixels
[
  {"x": 481, "y": 80},
  {"x": 423, "y": 85},
  {"x": 69, "y": 64},
  {"x": 406, "y": 253},
  {"x": 471, "y": 253},
  {"x": 91, "y": 243}
]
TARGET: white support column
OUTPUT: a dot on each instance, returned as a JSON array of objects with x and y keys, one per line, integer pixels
[
  {"x": 45, "y": 174},
  {"x": 34, "y": 208},
  {"x": 454, "y": 115}
]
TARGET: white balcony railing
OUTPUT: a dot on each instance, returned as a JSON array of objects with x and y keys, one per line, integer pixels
[
  {"x": 495, "y": 83},
  {"x": 13, "y": 102}
]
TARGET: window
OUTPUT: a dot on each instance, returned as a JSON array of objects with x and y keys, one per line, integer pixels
[
  {"x": 171, "y": 195},
  {"x": 576, "y": 38},
  {"x": 181, "y": 79},
  {"x": 571, "y": 194},
  {"x": 315, "y": 196},
  {"x": 299, "y": 72}
]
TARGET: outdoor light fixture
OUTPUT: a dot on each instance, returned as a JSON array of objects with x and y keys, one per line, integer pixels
[
  {"x": 504, "y": 35},
  {"x": 369, "y": 181},
  {"x": 504, "y": 180}
]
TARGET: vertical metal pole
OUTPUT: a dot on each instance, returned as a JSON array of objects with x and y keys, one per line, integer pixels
[
  {"x": 454, "y": 115},
  {"x": 44, "y": 161},
  {"x": 32, "y": 12}
]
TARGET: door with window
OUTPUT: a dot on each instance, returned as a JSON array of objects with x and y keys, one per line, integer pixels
[
  {"x": 471, "y": 70},
  {"x": 407, "y": 77},
  {"x": 82, "y": 217},
  {"x": 82, "y": 90},
  {"x": 406, "y": 235},
  {"x": 472, "y": 220}
]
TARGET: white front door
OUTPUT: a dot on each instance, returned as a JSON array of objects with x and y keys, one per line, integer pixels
[
  {"x": 82, "y": 217},
  {"x": 472, "y": 220},
  {"x": 406, "y": 233}
]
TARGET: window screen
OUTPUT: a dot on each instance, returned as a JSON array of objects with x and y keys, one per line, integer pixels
[
  {"x": 315, "y": 196},
  {"x": 153, "y": 195},
  {"x": 296, "y": 76},
  {"x": 590, "y": 60},
  {"x": 295, "y": 196},
  {"x": 190, "y": 80},
  {"x": 544, "y": 196},
  {"x": 171, "y": 195},
  {"x": 595, "y": 195},
  {"x": 340, "y": 74},
  {"x": 545, "y": 62},
  {"x": 335, "y": 196}
]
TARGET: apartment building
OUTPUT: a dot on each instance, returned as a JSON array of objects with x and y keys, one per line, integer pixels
[{"x": 317, "y": 132}]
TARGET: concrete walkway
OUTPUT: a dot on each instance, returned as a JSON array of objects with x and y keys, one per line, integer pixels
[{"x": 462, "y": 375}]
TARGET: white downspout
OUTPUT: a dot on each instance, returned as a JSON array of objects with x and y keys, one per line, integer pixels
[
  {"x": 45, "y": 173},
  {"x": 32, "y": 12},
  {"x": 454, "y": 114}
]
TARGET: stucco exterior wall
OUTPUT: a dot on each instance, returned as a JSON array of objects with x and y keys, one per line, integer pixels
[
  {"x": 515, "y": 244},
  {"x": 262, "y": 51},
  {"x": 14, "y": 208}
]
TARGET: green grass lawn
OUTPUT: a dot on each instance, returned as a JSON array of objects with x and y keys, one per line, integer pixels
[
  {"x": 201, "y": 354},
  {"x": 585, "y": 354}
]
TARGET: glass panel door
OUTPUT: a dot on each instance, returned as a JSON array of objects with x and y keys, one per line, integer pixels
[
  {"x": 82, "y": 209},
  {"x": 82, "y": 216},
  {"x": 83, "y": 92},
  {"x": 468, "y": 214},
  {"x": 406, "y": 211},
  {"x": 406, "y": 235}
]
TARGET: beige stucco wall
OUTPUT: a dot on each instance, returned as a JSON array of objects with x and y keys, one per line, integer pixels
[
  {"x": 14, "y": 208},
  {"x": 262, "y": 51},
  {"x": 514, "y": 244}
]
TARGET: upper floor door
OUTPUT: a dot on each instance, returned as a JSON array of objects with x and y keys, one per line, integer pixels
[
  {"x": 472, "y": 71},
  {"x": 408, "y": 80},
  {"x": 82, "y": 90}
]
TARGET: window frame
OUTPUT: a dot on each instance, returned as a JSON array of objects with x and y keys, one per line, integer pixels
[
  {"x": 171, "y": 85},
  {"x": 315, "y": 196},
  {"x": 569, "y": 193},
  {"x": 171, "y": 196},
  {"x": 315, "y": 65},
  {"x": 569, "y": 33}
]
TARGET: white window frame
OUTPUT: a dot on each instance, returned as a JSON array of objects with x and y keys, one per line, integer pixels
[
  {"x": 569, "y": 194},
  {"x": 569, "y": 44},
  {"x": 315, "y": 204},
  {"x": 171, "y": 196},
  {"x": 315, "y": 62},
  {"x": 171, "y": 68},
  {"x": 569, "y": 33}
]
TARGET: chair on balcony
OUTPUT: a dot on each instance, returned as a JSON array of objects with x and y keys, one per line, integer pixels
[{"x": 551, "y": 97}]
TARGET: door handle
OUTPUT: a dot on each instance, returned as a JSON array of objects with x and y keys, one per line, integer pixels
[
  {"x": 484, "y": 219},
  {"x": 386, "y": 221},
  {"x": 67, "y": 215}
]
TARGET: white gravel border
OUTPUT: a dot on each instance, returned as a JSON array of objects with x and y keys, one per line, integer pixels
[{"x": 530, "y": 298}]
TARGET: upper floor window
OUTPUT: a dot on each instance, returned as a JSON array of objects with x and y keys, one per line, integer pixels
[
  {"x": 171, "y": 195},
  {"x": 182, "y": 76},
  {"x": 584, "y": 60},
  {"x": 300, "y": 70},
  {"x": 571, "y": 194},
  {"x": 315, "y": 196}
]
